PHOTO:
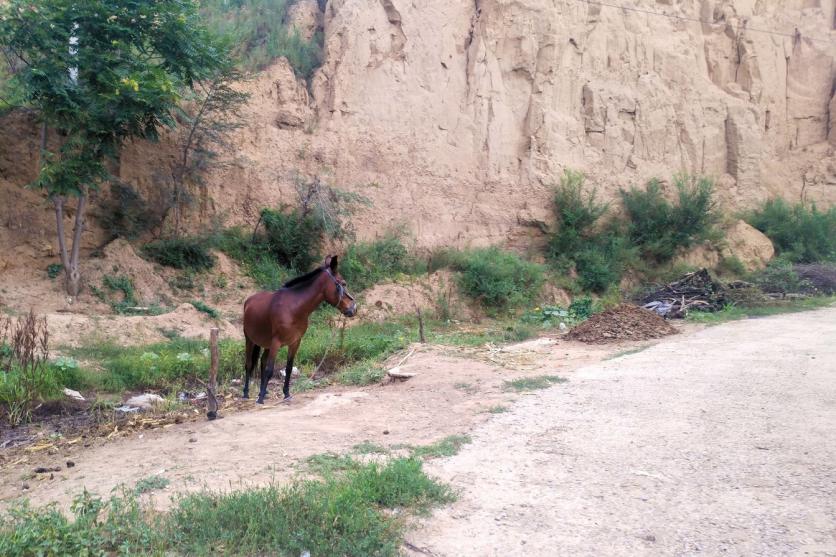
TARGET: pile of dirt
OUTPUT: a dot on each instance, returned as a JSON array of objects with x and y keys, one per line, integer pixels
[{"x": 624, "y": 322}]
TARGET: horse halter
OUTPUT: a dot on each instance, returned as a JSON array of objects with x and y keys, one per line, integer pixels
[{"x": 342, "y": 292}]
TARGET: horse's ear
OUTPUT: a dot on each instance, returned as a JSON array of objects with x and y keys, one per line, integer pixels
[
  {"x": 333, "y": 263},
  {"x": 327, "y": 262}
]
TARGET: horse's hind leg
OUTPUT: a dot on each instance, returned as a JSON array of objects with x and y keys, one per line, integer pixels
[
  {"x": 267, "y": 372},
  {"x": 291, "y": 354},
  {"x": 251, "y": 351}
]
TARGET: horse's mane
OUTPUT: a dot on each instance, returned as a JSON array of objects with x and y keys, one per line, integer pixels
[{"x": 303, "y": 280}]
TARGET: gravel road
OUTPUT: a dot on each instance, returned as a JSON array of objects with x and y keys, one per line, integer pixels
[{"x": 720, "y": 442}]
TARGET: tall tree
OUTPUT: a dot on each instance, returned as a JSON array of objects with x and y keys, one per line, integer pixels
[{"x": 98, "y": 73}]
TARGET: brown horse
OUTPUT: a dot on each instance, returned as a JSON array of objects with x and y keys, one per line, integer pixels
[{"x": 276, "y": 319}]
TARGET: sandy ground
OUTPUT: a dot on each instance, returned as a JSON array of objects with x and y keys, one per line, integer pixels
[{"x": 722, "y": 442}]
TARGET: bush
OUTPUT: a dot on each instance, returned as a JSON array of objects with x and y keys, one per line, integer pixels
[
  {"x": 254, "y": 255},
  {"x": 126, "y": 214},
  {"x": 293, "y": 239},
  {"x": 779, "y": 277},
  {"x": 498, "y": 279},
  {"x": 800, "y": 233},
  {"x": 368, "y": 263},
  {"x": 181, "y": 253},
  {"x": 207, "y": 309},
  {"x": 603, "y": 261},
  {"x": 577, "y": 214},
  {"x": 659, "y": 228},
  {"x": 598, "y": 254}
]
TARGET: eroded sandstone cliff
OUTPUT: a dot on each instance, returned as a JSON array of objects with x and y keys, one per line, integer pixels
[{"x": 454, "y": 118}]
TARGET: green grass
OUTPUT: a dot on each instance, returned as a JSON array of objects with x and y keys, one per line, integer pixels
[
  {"x": 208, "y": 310},
  {"x": 180, "y": 361},
  {"x": 327, "y": 464},
  {"x": 367, "y": 447},
  {"x": 533, "y": 383},
  {"x": 21, "y": 390},
  {"x": 732, "y": 312},
  {"x": 499, "y": 409},
  {"x": 151, "y": 483},
  {"x": 449, "y": 446},
  {"x": 344, "y": 513}
]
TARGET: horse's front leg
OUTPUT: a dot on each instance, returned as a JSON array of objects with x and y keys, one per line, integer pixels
[
  {"x": 291, "y": 353},
  {"x": 267, "y": 373}
]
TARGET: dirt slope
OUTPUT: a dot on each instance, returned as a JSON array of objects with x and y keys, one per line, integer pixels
[{"x": 720, "y": 442}]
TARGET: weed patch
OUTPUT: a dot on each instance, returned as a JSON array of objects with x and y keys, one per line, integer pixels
[
  {"x": 150, "y": 483},
  {"x": 181, "y": 253},
  {"x": 346, "y": 513},
  {"x": 449, "y": 446},
  {"x": 533, "y": 383},
  {"x": 208, "y": 310}
]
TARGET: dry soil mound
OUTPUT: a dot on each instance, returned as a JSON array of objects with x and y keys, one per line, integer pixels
[{"x": 624, "y": 322}]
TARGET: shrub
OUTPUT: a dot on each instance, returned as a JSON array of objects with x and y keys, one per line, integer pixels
[
  {"x": 598, "y": 254},
  {"x": 181, "y": 253},
  {"x": 498, "y": 279},
  {"x": 800, "y": 233},
  {"x": 779, "y": 277},
  {"x": 731, "y": 266},
  {"x": 368, "y": 263},
  {"x": 53, "y": 270},
  {"x": 126, "y": 214},
  {"x": 660, "y": 228},
  {"x": 255, "y": 256},
  {"x": 577, "y": 214},
  {"x": 293, "y": 238},
  {"x": 203, "y": 307}
]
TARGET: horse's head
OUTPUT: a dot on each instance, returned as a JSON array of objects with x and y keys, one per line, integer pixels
[{"x": 336, "y": 290}]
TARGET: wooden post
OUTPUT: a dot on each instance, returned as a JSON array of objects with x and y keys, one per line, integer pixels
[
  {"x": 421, "y": 336},
  {"x": 212, "y": 412}
]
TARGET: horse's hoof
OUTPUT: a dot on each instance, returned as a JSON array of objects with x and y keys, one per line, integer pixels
[
  {"x": 287, "y": 398},
  {"x": 260, "y": 401},
  {"x": 245, "y": 396}
]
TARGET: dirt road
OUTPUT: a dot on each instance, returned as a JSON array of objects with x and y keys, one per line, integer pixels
[
  {"x": 718, "y": 442},
  {"x": 450, "y": 394}
]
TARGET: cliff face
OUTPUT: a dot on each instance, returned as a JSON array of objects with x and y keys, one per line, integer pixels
[{"x": 454, "y": 118}]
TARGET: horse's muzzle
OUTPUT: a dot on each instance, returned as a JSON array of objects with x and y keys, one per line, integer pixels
[{"x": 351, "y": 310}]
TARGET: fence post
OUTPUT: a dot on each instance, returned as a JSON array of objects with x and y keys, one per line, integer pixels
[{"x": 212, "y": 412}]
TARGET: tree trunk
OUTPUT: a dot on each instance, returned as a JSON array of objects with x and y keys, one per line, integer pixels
[{"x": 69, "y": 261}]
